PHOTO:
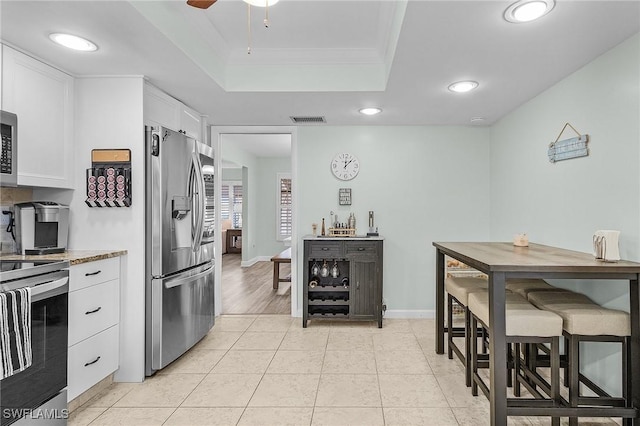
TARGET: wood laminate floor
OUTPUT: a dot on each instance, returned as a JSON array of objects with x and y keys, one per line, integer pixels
[{"x": 250, "y": 290}]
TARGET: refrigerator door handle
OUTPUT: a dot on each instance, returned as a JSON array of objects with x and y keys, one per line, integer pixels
[
  {"x": 175, "y": 282},
  {"x": 200, "y": 201}
]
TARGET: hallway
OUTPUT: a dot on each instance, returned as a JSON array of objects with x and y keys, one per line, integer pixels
[{"x": 250, "y": 290}]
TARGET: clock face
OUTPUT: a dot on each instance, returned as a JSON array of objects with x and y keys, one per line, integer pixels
[{"x": 345, "y": 166}]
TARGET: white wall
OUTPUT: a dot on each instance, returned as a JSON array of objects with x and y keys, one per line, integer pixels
[
  {"x": 562, "y": 204},
  {"x": 266, "y": 197},
  {"x": 424, "y": 184},
  {"x": 109, "y": 115},
  {"x": 250, "y": 180},
  {"x": 234, "y": 174}
]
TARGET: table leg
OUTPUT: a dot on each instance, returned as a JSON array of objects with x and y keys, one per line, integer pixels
[
  {"x": 439, "y": 302},
  {"x": 497, "y": 350},
  {"x": 276, "y": 274},
  {"x": 634, "y": 367}
]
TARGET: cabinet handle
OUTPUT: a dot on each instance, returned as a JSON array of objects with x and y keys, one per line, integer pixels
[
  {"x": 88, "y": 274},
  {"x": 94, "y": 311},
  {"x": 325, "y": 248},
  {"x": 358, "y": 285},
  {"x": 360, "y": 248},
  {"x": 92, "y": 362}
]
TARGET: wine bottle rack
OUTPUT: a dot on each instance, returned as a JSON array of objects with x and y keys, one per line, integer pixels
[{"x": 355, "y": 293}]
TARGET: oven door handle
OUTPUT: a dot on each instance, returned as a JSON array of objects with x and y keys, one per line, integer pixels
[{"x": 49, "y": 289}]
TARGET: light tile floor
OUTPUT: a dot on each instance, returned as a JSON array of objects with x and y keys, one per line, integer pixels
[{"x": 268, "y": 370}]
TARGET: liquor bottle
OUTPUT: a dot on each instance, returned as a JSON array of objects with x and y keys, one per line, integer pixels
[
  {"x": 352, "y": 221},
  {"x": 322, "y": 231}
]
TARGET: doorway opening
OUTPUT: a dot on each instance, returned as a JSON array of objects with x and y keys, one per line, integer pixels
[{"x": 255, "y": 219}]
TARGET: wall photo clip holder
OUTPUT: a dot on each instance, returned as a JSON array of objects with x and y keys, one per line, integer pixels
[
  {"x": 567, "y": 149},
  {"x": 109, "y": 178}
]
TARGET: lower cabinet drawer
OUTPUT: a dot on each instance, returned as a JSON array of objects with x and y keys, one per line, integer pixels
[
  {"x": 326, "y": 250},
  {"x": 361, "y": 248},
  {"x": 92, "y": 360},
  {"x": 92, "y": 310},
  {"x": 91, "y": 273}
]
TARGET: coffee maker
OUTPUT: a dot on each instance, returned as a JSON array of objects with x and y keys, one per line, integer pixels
[{"x": 41, "y": 227}]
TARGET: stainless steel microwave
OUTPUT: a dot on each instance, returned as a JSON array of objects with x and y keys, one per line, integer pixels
[{"x": 9, "y": 156}]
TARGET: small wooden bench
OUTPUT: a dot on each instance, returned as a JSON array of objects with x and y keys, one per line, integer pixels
[{"x": 283, "y": 257}]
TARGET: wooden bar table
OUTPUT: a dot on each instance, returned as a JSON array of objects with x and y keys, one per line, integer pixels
[{"x": 503, "y": 261}]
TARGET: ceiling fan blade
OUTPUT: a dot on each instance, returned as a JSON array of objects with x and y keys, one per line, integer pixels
[{"x": 201, "y": 4}]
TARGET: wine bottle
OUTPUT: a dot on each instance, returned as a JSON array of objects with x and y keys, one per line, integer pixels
[
  {"x": 345, "y": 282},
  {"x": 322, "y": 232}
]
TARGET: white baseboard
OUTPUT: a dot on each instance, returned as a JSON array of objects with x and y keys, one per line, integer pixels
[
  {"x": 251, "y": 262},
  {"x": 405, "y": 313}
]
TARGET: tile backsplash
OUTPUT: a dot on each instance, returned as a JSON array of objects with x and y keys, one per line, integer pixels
[{"x": 9, "y": 197}]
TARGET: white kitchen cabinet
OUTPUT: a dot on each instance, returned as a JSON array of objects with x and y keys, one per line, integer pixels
[
  {"x": 190, "y": 122},
  {"x": 42, "y": 98},
  {"x": 164, "y": 110},
  {"x": 161, "y": 109},
  {"x": 92, "y": 360},
  {"x": 94, "y": 312}
]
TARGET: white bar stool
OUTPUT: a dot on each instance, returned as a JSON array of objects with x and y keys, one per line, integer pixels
[
  {"x": 458, "y": 289},
  {"x": 586, "y": 321},
  {"x": 524, "y": 324}
]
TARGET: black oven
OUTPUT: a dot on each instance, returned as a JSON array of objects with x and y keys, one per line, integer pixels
[{"x": 25, "y": 395}]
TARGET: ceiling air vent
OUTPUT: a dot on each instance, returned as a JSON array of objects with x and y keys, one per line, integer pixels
[{"x": 308, "y": 120}]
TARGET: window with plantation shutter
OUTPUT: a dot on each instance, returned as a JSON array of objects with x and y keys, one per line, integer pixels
[
  {"x": 231, "y": 203},
  {"x": 284, "y": 214},
  {"x": 237, "y": 206},
  {"x": 224, "y": 202}
]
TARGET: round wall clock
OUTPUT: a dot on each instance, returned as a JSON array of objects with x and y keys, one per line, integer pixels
[{"x": 345, "y": 166}]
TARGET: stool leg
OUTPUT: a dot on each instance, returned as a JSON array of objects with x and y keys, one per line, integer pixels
[
  {"x": 532, "y": 360},
  {"x": 516, "y": 370},
  {"x": 485, "y": 339},
  {"x": 626, "y": 381},
  {"x": 566, "y": 366},
  {"x": 509, "y": 364},
  {"x": 469, "y": 335},
  {"x": 449, "y": 326},
  {"x": 474, "y": 356},
  {"x": 574, "y": 375},
  {"x": 555, "y": 376}
]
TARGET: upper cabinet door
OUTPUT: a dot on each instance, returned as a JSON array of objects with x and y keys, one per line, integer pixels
[
  {"x": 160, "y": 109},
  {"x": 191, "y": 123},
  {"x": 42, "y": 98}
]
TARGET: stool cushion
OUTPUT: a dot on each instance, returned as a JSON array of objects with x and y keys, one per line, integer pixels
[
  {"x": 582, "y": 316},
  {"x": 543, "y": 298},
  {"x": 460, "y": 287},
  {"x": 525, "y": 286},
  {"x": 522, "y": 318}
]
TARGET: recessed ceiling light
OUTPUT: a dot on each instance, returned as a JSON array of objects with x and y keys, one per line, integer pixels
[
  {"x": 463, "y": 86},
  {"x": 477, "y": 120},
  {"x": 73, "y": 42},
  {"x": 528, "y": 10},
  {"x": 370, "y": 111},
  {"x": 261, "y": 3}
]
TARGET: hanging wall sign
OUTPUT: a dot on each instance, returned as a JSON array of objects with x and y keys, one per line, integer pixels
[{"x": 567, "y": 149}]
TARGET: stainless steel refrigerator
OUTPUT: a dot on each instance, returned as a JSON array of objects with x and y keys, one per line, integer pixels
[{"x": 179, "y": 245}]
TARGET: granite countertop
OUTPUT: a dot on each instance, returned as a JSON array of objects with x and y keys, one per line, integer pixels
[
  {"x": 356, "y": 238},
  {"x": 75, "y": 257}
]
